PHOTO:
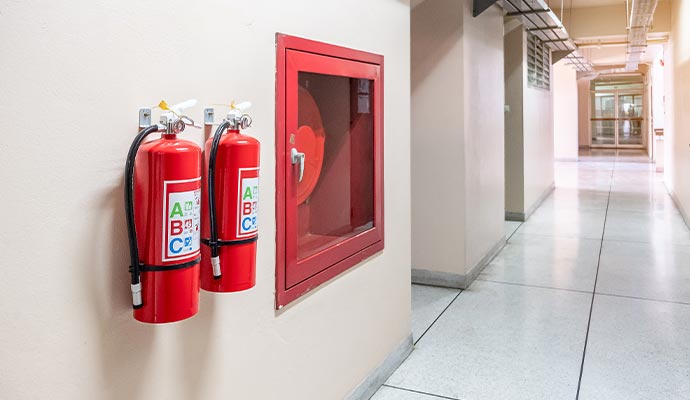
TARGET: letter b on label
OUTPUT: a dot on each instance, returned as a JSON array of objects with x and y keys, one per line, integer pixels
[{"x": 175, "y": 227}]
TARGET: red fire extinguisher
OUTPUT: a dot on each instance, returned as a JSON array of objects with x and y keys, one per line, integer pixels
[
  {"x": 231, "y": 191},
  {"x": 163, "y": 209}
]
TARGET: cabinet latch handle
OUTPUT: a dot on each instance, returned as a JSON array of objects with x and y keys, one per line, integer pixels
[{"x": 298, "y": 158}]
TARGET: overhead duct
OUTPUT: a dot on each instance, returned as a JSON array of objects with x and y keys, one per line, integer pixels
[
  {"x": 539, "y": 20},
  {"x": 640, "y": 20}
]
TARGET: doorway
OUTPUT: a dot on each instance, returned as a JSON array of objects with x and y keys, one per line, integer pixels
[{"x": 617, "y": 112}]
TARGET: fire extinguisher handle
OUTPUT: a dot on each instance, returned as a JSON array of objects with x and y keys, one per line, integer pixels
[{"x": 298, "y": 158}]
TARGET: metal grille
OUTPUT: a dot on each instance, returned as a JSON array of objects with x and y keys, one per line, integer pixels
[
  {"x": 538, "y": 63},
  {"x": 537, "y": 18}
]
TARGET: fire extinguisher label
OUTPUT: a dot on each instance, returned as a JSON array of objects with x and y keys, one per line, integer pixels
[
  {"x": 182, "y": 219},
  {"x": 248, "y": 202}
]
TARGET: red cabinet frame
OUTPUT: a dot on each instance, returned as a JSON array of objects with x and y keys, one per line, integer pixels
[{"x": 296, "y": 277}]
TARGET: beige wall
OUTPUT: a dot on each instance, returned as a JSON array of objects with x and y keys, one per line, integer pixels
[
  {"x": 677, "y": 102},
  {"x": 609, "y": 20},
  {"x": 515, "y": 81},
  {"x": 72, "y": 79},
  {"x": 484, "y": 131},
  {"x": 565, "y": 112},
  {"x": 438, "y": 153},
  {"x": 583, "y": 104},
  {"x": 529, "y": 138},
  {"x": 457, "y": 135}
]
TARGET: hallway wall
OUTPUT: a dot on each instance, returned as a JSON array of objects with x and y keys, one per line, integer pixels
[
  {"x": 529, "y": 151},
  {"x": 678, "y": 103},
  {"x": 77, "y": 74},
  {"x": 565, "y": 111},
  {"x": 437, "y": 118},
  {"x": 457, "y": 140},
  {"x": 583, "y": 100}
]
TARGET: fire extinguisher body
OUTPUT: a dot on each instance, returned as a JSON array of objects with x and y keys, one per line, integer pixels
[
  {"x": 167, "y": 190},
  {"x": 236, "y": 198}
]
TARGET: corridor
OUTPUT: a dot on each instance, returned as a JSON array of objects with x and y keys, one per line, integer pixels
[{"x": 589, "y": 299}]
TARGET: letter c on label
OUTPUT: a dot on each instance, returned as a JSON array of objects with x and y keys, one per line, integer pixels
[
  {"x": 174, "y": 249},
  {"x": 247, "y": 223}
]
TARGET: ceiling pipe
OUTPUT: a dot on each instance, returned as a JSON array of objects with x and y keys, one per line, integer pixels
[{"x": 641, "y": 17}]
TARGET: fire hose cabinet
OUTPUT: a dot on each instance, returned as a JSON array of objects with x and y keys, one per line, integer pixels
[{"x": 329, "y": 167}]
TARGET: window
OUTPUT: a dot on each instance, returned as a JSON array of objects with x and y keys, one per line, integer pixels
[
  {"x": 538, "y": 63},
  {"x": 329, "y": 170}
]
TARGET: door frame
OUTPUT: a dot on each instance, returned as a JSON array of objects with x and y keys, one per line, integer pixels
[{"x": 617, "y": 145}]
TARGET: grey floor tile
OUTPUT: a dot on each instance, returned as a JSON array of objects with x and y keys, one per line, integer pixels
[
  {"x": 499, "y": 341},
  {"x": 642, "y": 202},
  {"x": 574, "y": 198},
  {"x": 389, "y": 393},
  {"x": 511, "y": 227},
  {"x": 650, "y": 228},
  {"x": 578, "y": 223},
  {"x": 557, "y": 262},
  {"x": 637, "y": 349},
  {"x": 646, "y": 270},
  {"x": 427, "y": 303}
]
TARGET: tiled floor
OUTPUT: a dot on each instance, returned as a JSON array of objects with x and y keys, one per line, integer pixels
[{"x": 590, "y": 299}]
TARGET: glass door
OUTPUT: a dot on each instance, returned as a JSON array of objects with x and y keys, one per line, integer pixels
[
  {"x": 604, "y": 119},
  {"x": 630, "y": 119},
  {"x": 617, "y": 119}
]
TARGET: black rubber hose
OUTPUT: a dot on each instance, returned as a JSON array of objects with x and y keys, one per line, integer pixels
[
  {"x": 135, "y": 264},
  {"x": 213, "y": 241}
]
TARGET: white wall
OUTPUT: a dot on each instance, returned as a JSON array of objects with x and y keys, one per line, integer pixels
[
  {"x": 658, "y": 90},
  {"x": 565, "y": 112},
  {"x": 539, "y": 147},
  {"x": 677, "y": 135},
  {"x": 457, "y": 135},
  {"x": 72, "y": 77}
]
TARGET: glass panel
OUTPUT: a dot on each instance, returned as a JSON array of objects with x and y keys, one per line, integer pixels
[
  {"x": 604, "y": 105},
  {"x": 629, "y": 131},
  {"x": 630, "y": 106},
  {"x": 336, "y": 132},
  {"x": 604, "y": 132}
]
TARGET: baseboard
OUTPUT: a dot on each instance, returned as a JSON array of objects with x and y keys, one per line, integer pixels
[
  {"x": 522, "y": 217},
  {"x": 545, "y": 195},
  {"x": 457, "y": 281},
  {"x": 680, "y": 206},
  {"x": 369, "y": 385},
  {"x": 567, "y": 159},
  {"x": 486, "y": 260},
  {"x": 515, "y": 216},
  {"x": 437, "y": 278}
]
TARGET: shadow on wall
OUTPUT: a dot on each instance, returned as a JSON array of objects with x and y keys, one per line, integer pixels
[
  {"x": 127, "y": 347},
  {"x": 431, "y": 42}
]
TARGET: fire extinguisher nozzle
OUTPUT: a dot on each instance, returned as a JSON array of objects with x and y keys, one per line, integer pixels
[
  {"x": 136, "y": 296},
  {"x": 215, "y": 264}
]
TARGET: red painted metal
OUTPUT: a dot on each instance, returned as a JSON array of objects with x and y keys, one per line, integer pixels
[
  {"x": 237, "y": 160},
  {"x": 295, "y": 276},
  {"x": 167, "y": 169}
]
